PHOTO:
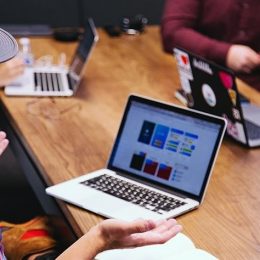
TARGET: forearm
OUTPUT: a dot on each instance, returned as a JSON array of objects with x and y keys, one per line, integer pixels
[{"x": 87, "y": 247}]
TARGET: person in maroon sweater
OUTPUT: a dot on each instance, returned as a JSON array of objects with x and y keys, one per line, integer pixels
[{"x": 224, "y": 31}]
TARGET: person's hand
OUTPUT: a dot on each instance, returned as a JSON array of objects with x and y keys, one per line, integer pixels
[
  {"x": 241, "y": 58},
  {"x": 10, "y": 70},
  {"x": 122, "y": 234},
  {"x": 3, "y": 142},
  {"x": 111, "y": 234}
]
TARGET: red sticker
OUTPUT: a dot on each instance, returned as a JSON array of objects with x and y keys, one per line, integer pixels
[
  {"x": 184, "y": 59},
  {"x": 226, "y": 79}
]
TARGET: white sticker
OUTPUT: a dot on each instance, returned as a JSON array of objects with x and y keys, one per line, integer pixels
[
  {"x": 185, "y": 83},
  {"x": 209, "y": 95},
  {"x": 235, "y": 130},
  {"x": 232, "y": 130},
  {"x": 183, "y": 63},
  {"x": 236, "y": 114}
]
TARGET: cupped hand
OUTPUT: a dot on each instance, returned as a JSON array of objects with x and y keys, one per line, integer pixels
[
  {"x": 112, "y": 234},
  {"x": 122, "y": 234}
]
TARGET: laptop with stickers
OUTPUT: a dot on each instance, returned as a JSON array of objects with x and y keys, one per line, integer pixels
[
  {"x": 155, "y": 168},
  {"x": 212, "y": 88}
]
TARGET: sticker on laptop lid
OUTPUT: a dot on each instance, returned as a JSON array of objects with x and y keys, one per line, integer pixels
[
  {"x": 233, "y": 96},
  {"x": 183, "y": 63},
  {"x": 236, "y": 113},
  {"x": 202, "y": 65},
  {"x": 236, "y": 130},
  {"x": 185, "y": 84},
  {"x": 209, "y": 95},
  {"x": 226, "y": 79}
]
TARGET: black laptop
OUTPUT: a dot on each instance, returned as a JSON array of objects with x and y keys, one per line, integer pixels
[{"x": 212, "y": 88}]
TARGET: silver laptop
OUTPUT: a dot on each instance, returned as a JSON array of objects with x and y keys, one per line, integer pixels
[
  {"x": 55, "y": 80},
  {"x": 212, "y": 88},
  {"x": 159, "y": 166}
]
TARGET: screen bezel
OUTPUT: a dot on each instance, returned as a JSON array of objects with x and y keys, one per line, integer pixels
[{"x": 172, "y": 108}]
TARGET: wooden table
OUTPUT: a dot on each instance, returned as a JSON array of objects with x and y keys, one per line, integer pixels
[{"x": 66, "y": 137}]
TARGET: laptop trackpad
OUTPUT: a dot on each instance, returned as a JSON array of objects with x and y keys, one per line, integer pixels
[{"x": 251, "y": 112}]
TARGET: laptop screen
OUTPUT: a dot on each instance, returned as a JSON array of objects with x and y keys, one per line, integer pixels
[
  {"x": 82, "y": 53},
  {"x": 170, "y": 146}
]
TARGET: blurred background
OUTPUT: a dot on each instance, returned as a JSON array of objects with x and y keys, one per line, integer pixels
[{"x": 73, "y": 13}]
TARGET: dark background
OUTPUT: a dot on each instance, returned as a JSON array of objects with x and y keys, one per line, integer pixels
[{"x": 60, "y": 13}]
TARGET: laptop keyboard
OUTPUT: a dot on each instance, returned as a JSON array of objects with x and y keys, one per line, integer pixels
[
  {"x": 48, "y": 81},
  {"x": 253, "y": 130},
  {"x": 133, "y": 193}
]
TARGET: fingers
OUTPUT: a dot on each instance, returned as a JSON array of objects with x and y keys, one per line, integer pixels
[
  {"x": 15, "y": 62},
  {"x": 165, "y": 226},
  {"x": 242, "y": 58},
  {"x": 251, "y": 62},
  {"x": 255, "y": 59},
  {"x": 2, "y": 135},
  {"x": 10, "y": 70},
  {"x": 162, "y": 233},
  {"x": 140, "y": 226},
  {"x": 3, "y": 142},
  {"x": 15, "y": 72},
  {"x": 16, "y": 67},
  {"x": 163, "y": 237},
  {"x": 169, "y": 233}
]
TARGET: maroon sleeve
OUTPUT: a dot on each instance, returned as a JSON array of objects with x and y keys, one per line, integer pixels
[{"x": 180, "y": 27}]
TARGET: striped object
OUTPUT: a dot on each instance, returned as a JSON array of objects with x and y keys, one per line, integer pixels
[{"x": 8, "y": 46}]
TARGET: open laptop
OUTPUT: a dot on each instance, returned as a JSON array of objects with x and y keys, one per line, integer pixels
[
  {"x": 55, "y": 80},
  {"x": 211, "y": 88},
  {"x": 155, "y": 168}
]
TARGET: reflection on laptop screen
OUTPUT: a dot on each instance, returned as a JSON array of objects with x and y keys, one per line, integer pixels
[
  {"x": 166, "y": 147},
  {"x": 83, "y": 51}
]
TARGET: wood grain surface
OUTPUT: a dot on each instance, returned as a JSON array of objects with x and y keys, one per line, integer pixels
[{"x": 68, "y": 137}]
